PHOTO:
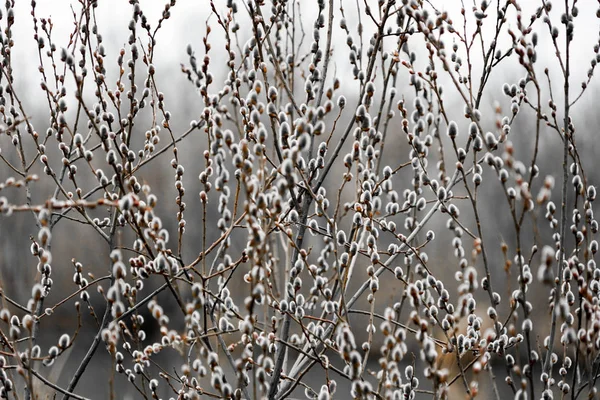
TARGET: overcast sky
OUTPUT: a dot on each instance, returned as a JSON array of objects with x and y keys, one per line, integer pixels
[{"x": 187, "y": 25}]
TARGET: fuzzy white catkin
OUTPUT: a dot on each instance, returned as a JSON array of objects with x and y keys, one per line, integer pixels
[{"x": 452, "y": 130}]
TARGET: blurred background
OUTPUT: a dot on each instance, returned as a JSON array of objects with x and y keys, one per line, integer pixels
[{"x": 187, "y": 26}]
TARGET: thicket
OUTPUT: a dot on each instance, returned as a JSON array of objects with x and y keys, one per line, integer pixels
[{"x": 334, "y": 238}]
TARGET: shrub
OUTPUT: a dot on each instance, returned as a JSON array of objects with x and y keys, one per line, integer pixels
[{"x": 375, "y": 217}]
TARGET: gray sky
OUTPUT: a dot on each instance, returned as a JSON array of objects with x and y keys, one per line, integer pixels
[{"x": 187, "y": 25}]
